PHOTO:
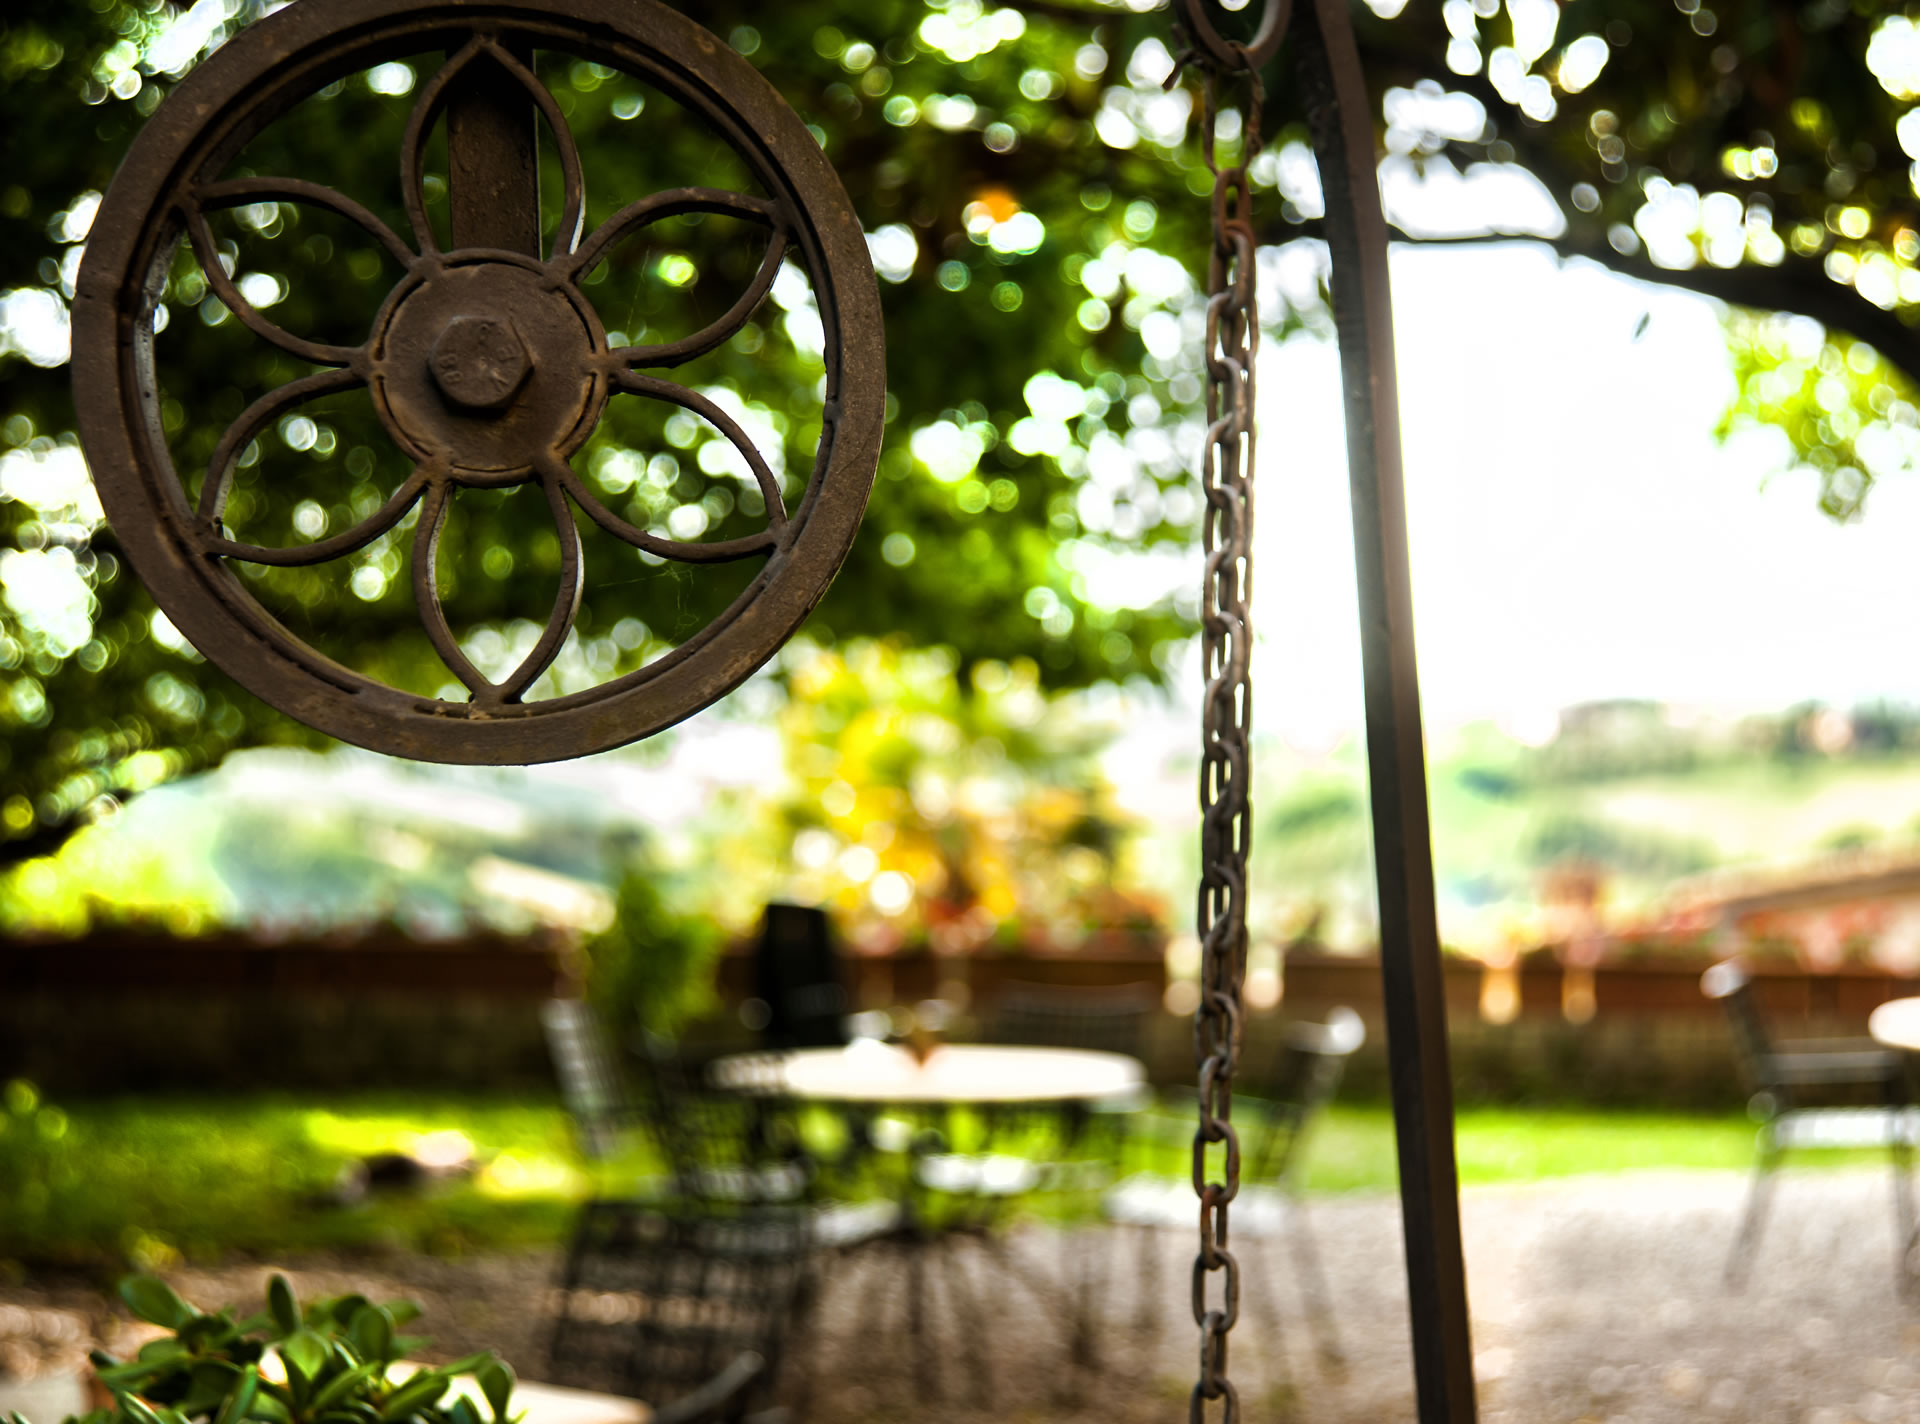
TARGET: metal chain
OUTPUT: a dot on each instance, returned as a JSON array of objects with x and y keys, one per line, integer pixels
[{"x": 1226, "y": 477}]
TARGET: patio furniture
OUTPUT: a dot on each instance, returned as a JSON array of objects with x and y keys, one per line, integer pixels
[
  {"x": 1102, "y": 1019},
  {"x": 722, "y": 1399},
  {"x": 723, "y": 1147},
  {"x": 1105, "y": 1019},
  {"x": 1788, "y": 1080},
  {"x": 868, "y": 1075},
  {"x": 720, "y": 1147},
  {"x": 691, "y": 1307},
  {"x": 796, "y": 975},
  {"x": 590, "y": 1083},
  {"x": 1312, "y": 1061}
]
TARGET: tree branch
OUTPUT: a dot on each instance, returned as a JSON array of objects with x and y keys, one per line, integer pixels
[{"x": 1799, "y": 285}]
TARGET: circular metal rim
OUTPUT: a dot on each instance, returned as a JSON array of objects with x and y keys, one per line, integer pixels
[
  {"x": 116, "y": 391},
  {"x": 1226, "y": 53}
]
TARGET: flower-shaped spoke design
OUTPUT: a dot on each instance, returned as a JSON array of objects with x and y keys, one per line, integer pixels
[
  {"x": 426, "y": 547},
  {"x": 486, "y": 365},
  {"x": 490, "y": 368}
]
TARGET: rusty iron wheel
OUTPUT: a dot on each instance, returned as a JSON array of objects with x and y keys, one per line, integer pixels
[{"x": 487, "y": 366}]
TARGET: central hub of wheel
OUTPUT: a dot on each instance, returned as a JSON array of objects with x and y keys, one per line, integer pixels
[
  {"x": 480, "y": 362},
  {"x": 488, "y": 368}
]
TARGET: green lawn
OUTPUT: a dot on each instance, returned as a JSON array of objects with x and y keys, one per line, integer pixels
[{"x": 149, "y": 1180}]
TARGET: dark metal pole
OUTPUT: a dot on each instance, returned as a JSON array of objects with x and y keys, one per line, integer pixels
[
  {"x": 493, "y": 159},
  {"x": 1340, "y": 113}
]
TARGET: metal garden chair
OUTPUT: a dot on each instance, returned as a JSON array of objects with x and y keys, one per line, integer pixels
[
  {"x": 688, "y": 1309},
  {"x": 716, "y": 1147},
  {"x": 797, "y": 976},
  {"x": 724, "y": 1399},
  {"x": 1794, "y": 1085},
  {"x": 590, "y": 1084},
  {"x": 1307, "y": 1074},
  {"x": 1107, "y": 1019}
]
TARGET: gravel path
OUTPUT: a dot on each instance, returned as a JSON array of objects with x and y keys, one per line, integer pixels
[{"x": 1595, "y": 1301}]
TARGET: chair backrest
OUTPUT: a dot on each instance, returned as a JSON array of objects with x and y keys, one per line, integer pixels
[
  {"x": 1730, "y": 983},
  {"x": 722, "y": 1146},
  {"x": 796, "y": 973},
  {"x": 1313, "y": 1058},
  {"x": 589, "y": 1083},
  {"x": 660, "y": 1305},
  {"x": 1108, "y": 1018}
]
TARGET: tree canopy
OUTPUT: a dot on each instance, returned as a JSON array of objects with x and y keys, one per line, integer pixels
[{"x": 1034, "y": 202}]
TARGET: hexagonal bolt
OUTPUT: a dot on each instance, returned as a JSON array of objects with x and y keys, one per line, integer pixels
[{"x": 480, "y": 362}]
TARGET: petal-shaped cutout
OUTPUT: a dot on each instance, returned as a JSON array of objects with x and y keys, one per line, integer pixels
[
  {"x": 633, "y": 383},
  {"x": 252, "y": 420},
  {"x": 345, "y": 542},
  {"x": 426, "y": 592},
  {"x": 670, "y": 203},
  {"x": 566, "y": 604},
  {"x": 721, "y": 551},
  {"x": 674, "y": 203},
  {"x": 433, "y": 102},
  {"x": 215, "y": 197},
  {"x": 224, "y": 287},
  {"x": 716, "y": 333},
  {"x": 413, "y": 148},
  {"x": 573, "y": 186}
]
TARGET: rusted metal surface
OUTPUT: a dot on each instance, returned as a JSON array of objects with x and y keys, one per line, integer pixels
[
  {"x": 1226, "y": 640},
  {"x": 1195, "y": 21},
  {"x": 488, "y": 365},
  {"x": 1414, "y": 989},
  {"x": 1339, "y": 113}
]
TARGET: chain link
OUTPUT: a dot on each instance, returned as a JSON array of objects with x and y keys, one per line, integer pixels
[{"x": 1226, "y": 477}]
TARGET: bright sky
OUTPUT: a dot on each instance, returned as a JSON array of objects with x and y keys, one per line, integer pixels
[{"x": 1577, "y": 531}]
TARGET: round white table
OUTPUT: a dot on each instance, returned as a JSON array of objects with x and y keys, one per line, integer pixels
[
  {"x": 868, "y": 1071},
  {"x": 1896, "y": 1023},
  {"x": 868, "y": 1078}
]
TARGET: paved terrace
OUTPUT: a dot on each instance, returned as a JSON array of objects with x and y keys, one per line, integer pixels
[{"x": 1596, "y": 1301}]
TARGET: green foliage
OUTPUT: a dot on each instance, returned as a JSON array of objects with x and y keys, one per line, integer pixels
[
  {"x": 1761, "y": 156},
  {"x": 241, "y": 1142},
  {"x": 1640, "y": 793},
  {"x": 1846, "y": 411},
  {"x": 654, "y": 964},
  {"x": 329, "y": 1363},
  {"x": 32, "y": 1149},
  {"x": 929, "y": 804},
  {"x": 147, "y": 1183},
  {"x": 1038, "y": 192},
  {"x": 1042, "y": 435},
  {"x": 1636, "y": 851}
]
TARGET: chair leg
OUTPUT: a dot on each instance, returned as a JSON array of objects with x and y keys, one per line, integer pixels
[
  {"x": 1146, "y": 1313},
  {"x": 1081, "y": 1279},
  {"x": 569, "y": 1274},
  {"x": 1313, "y": 1284},
  {"x": 1739, "y": 1260},
  {"x": 1900, "y": 1148},
  {"x": 925, "y": 1377},
  {"x": 804, "y": 1336}
]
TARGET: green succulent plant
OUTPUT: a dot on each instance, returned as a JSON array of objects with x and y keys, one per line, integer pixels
[{"x": 329, "y": 1363}]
